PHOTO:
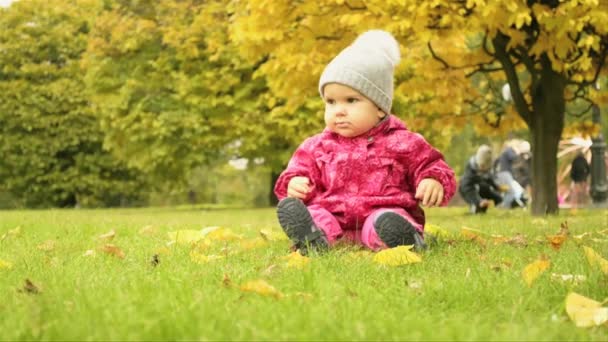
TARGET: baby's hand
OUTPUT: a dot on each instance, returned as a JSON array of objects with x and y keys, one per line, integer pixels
[
  {"x": 430, "y": 192},
  {"x": 298, "y": 187}
]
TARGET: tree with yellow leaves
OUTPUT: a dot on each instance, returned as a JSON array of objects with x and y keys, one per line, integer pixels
[{"x": 458, "y": 54}]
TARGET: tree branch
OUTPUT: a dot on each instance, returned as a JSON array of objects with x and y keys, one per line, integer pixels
[
  {"x": 500, "y": 47},
  {"x": 436, "y": 57}
]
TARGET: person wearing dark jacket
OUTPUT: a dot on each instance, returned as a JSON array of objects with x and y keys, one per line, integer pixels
[
  {"x": 579, "y": 172},
  {"x": 477, "y": 186}
]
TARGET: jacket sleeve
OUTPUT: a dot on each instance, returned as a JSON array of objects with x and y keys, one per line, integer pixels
[
  {"x": 302, "y": 164},
  {"x": 467, "y": 186},
  {"x": 426, "y": 162}
]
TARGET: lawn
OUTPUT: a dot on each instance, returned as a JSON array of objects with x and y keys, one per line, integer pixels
[{"x": 467, "y": 287}]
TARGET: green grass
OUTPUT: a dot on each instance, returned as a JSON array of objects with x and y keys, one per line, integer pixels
[{"x": 456, "y": 293}]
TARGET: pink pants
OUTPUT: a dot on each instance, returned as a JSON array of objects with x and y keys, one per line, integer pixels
[{"x": 366, "y": 236}]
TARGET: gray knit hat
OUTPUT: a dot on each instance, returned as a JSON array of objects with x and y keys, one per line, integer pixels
[{"x": 367, "y": 65}]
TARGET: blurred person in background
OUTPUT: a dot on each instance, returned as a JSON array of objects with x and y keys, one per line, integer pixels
[
  {"x": 514, "y": 193},
  {"x": 579, "y": 173},
  {"x": 477, "y": 186}
]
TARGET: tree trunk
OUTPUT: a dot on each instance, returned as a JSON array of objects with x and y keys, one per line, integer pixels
[{"x": 546, "y": 125}]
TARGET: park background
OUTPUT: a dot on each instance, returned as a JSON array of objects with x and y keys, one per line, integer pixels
[{"x": 145, "y": 103}]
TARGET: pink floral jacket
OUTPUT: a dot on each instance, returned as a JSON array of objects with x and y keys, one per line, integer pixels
[{"x": 352, "y": 177}]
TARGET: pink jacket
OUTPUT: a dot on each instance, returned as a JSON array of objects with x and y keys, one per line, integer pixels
[{"x": 352, "y": 177}]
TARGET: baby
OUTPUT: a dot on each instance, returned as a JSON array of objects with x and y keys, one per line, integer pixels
[{"x": 362, "y": 178}]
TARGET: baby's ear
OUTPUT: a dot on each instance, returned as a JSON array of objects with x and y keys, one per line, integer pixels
[{"x": 381, "y": 114}]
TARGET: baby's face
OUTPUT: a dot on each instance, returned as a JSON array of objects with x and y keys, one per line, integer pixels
[{"x": 347, "y": 112}]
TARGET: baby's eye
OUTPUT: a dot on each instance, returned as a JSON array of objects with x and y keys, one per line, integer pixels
[
  {"x": 330, "y": 101},
  {"x": 352, "y": 100}
]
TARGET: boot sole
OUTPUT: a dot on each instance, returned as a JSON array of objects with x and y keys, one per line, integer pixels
[
  {"x": 295, "y": 219},
  {"x": 395, "y": 231}
]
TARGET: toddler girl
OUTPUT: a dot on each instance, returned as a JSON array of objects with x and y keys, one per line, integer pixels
[{"x": 364, "y": 176}]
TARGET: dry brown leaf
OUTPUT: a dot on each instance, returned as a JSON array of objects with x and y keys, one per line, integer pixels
[
  {"x": 261, "y": 287},
  {"x": 226, "y": 281},
  {"x": 518, "y": 240},
  {"x": 563, "y": 229},
  {"x": 585, "y": 312},
  {"x": 595, "y": 259},
  {"x": 113, "y": 250},
  {"x": 155, "y": 261},
  {"x": 47, "y": 245},
  {"x": 107, "y": 237},
  {"x": 556, "y": 241},
  {"x": 401, "y": 255},
  {"x": 29, "y": 287},
  {"x": 535, "y": 269}
]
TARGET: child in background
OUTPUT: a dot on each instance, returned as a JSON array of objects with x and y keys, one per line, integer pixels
[
  {"x": 364, "y": 177},
  {"x": 477, "y": 186}
]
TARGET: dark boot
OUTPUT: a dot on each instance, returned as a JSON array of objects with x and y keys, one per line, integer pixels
[
  {"x": 395, "y": 231},
  {"x": 299, "y": 226}
]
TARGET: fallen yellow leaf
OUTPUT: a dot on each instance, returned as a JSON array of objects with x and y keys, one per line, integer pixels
[
  {"x": 296, "y": 260},
  {"x": 47, "y": 245},
  {"x": 534, "y": 270},
  {"x": 162, "y": 251},
  {"x": 199, "y": 258},
  {"x": 89, "y": 253},
  {"x": 437, "y": 231},
  {"x": 221, "y": 234},
  {"x": 261, "y": 287},
  {"x": 568, "y": 278},
  {"x": 185, "y": 237},
  {"x": 581, "y": 237},
  {"x": 252, "y": 244},
  {"x": 400, "y": 255},
  {"x": 585, "y": 312},
  {"x": 5, "y": 265},
  {"x": 107, "y": 236},
  {"x": 473, "y": 235},
  {"x": 271, "y": 235},
  {"x": 113, "y": 250},
  {"x": 148, "y": 231},
  {"x": 595, "y": 259},
  {"x": 11, "y": 233},
  {"x": 540, "y": 222}
]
